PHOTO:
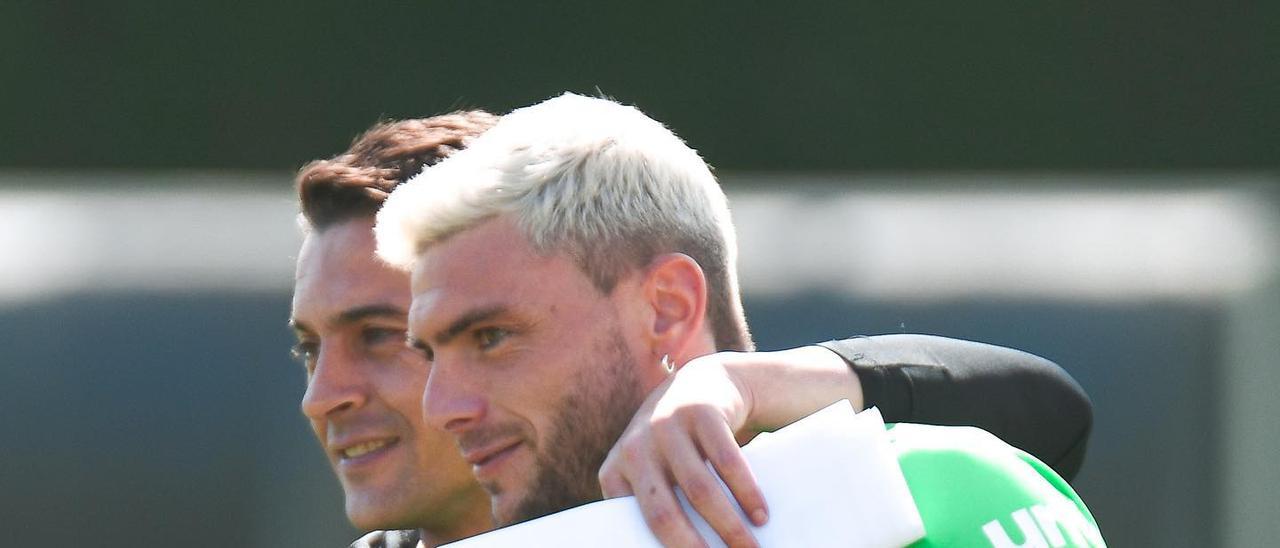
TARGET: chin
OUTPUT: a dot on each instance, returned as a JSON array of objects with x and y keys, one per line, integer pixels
[
  {"x": 507, "y": 510},
  {"x": 502, "y": 513},
  {"x": 512, "y": 512},
  {"x": 368, "y": 511}
]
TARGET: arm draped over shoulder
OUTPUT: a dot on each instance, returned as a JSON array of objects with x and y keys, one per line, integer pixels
[{"x": 1025, "y": 400}]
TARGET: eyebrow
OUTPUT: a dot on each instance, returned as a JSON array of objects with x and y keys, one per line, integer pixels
[
  {"x": 358, "y": 313},
  {"x": 467, "y": 320},
  {"x": 353, "y": 315}
]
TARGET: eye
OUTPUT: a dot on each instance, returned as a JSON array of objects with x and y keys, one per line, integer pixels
[
  {"x": 373, "y": 336},
  {"x": 489, "y": 337},
  {"x": 305, "y": 352},
  {"x": 423, "y": 348}
]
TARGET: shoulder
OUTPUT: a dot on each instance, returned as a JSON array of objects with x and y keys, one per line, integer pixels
[
  {"x": 388, "y": 539},
  {"x": 972, "y": 488}
]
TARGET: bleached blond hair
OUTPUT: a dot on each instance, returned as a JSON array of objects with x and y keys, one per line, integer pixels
[{"x": 599, "y": 181}]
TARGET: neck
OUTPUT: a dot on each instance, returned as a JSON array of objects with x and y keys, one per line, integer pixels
[
  {"x": 472, "y": 520},
  {"x": 704, "y": 344}
]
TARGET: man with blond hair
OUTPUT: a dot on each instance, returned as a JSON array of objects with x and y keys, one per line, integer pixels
[
  {"x": 405, "y": 480},
  {"x": 563, "y": 268}
]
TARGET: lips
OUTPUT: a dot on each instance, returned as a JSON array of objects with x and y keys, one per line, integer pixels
[
  {"x": 351, "y": 451},
  {"x": 363, "y": 449},
  {"x": 485, "y": 461}
]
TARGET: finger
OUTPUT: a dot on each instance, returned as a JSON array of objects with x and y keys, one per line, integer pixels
[
  {"x": 703, "y": 491},
  {"x": 612, "y": 483},
  {"x": 658, "y": 504},
  {"x": 721, "y": 449}
]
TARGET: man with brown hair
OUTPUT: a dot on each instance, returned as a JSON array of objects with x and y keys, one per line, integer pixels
[{"x": 364, "y": 387}]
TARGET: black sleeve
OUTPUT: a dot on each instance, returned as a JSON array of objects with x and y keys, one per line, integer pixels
[{"x": 1026, "y": 400}]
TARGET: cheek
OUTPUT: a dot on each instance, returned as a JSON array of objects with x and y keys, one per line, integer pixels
[
  {"x": 439, "y": 454},
  {"x": 320, "y": 428},
  {"x": 539, "y": 397},
  {"x": 402, "y": 385}
]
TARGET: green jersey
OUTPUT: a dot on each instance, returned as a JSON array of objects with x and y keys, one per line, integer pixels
[{"x": 972, "y": 489}]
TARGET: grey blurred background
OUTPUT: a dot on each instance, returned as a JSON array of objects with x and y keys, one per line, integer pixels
[{"x": 1093, "y": 183}]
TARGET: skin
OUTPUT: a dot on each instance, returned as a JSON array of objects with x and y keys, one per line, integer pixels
[
  {"x": 707, "y": 409},
  {"x": 365, "y": 386},
  {"x": 530, "y": 363},
  {"x": 519, "y": 343},
  {"x": 362, "y": 381}
]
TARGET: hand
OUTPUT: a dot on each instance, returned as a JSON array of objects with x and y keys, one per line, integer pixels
[{"x": 699, "y": 413}]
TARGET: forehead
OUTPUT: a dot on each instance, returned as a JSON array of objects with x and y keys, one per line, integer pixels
[
  {"x": 337, "y": 271},
  {"x": 492, "y": 265}
]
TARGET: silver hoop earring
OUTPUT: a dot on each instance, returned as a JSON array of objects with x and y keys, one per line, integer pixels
[{"x": 667, "y": 364}]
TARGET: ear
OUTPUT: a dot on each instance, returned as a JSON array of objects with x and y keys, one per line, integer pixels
[{"x": 675, "y": 290}]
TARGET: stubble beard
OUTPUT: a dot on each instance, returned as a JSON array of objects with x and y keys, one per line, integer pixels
[{"x": 592, "y": 415}]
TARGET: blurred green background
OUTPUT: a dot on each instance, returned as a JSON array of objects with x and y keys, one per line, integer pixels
[
  {"x": 872, "y": 153},
  {"x": 759, "y": 86}
]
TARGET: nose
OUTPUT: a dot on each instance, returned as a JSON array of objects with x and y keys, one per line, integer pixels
[
  {"x": 334, "y": 386},
  {"x": 449, "y": 403}
]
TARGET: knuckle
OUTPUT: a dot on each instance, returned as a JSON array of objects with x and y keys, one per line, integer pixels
[
  {"x": 609, "y": 460},
  {"x": 739, "y": 538},
  {"x": 733, "y": 536},
  {"x": 699, "y": 490},
  {"x": 632, "y": 454},
  {"x": 728, "y": 458},
  {"x": 666, "y": 422},
  {"x": 662, "y": 520}
]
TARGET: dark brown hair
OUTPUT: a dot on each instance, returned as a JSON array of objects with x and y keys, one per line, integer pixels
[{"x": 355, "y": 183}]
